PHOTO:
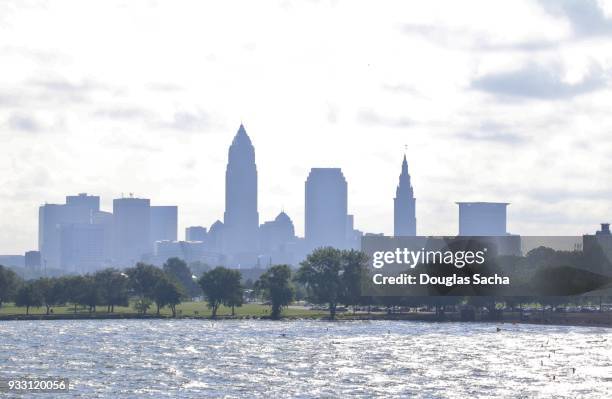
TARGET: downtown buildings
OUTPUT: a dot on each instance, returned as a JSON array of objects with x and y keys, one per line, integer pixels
[{"x": 79, "y": 236}]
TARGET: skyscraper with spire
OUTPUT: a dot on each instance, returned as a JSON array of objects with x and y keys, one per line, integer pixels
[
  {"x": 404, "y": 212},
  {"x": 241, "y": 219}
]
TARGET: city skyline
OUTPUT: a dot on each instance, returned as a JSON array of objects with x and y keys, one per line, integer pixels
[{"x": 491, "y": 110}]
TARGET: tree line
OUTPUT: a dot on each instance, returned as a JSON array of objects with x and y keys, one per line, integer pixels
[{"x": 327, "y": 276}]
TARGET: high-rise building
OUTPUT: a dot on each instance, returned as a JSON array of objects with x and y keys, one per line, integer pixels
[
  {"x": 131, "y": 230},
  {"x": 195, "y": 233},
  {"x": 164, "y": 223},
  {"x": 78, "y": 209},
  {"x": 326, "y": 208},
  {"x": 32, "y": 259},
  {"x": 241, "y": 218},
  {"x": 482, "y": 218},
  {"x": 404, "y": 212}
]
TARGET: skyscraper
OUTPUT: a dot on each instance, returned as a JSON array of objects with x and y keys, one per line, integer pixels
[
  {"x": 195, "y": 233},
  {"x": 131, "y": 230},
  {"x": 482, "y": 218},
  {"x": 326, "y": 208},
  {"x": 164, "y": 223},
  {"x": 241, "y": 219},
  {"x": 404, "y": 212},
  {"x": 78, "y": 210}
]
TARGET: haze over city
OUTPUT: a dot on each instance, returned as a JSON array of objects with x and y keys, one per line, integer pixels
[{"x": 145, "y": 98}]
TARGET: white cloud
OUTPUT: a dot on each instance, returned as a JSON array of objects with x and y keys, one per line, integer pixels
[{"x": 126, "y": 88}]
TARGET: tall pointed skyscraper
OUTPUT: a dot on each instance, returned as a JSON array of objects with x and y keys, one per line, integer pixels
[
  {"x": 241, "y": 218},
  {"x": 404, "y": 212}
]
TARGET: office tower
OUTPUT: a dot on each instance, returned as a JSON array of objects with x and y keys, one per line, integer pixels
[
  {"x": 83, "y": 247},
  {"x": 51, "y": 217},
  {"x": 275, "y": 234},
  {"x": 131, "y": 230},
  {"x": 215, "y": 237},
  {"x": 482, "y": 218},
  {"x": 195, "y": 233},
  {"x": 404, "y": 215},
  {"x": 164, "y": 223},
  {"x": 277, "y": 240},
  {"x": 353, "y": 236},
  {"x": 88, "y": 203},
  {"x": 32, "y": 259},
  {"x": 326, "y": 208},
  {"x": 241, "y": 218}
]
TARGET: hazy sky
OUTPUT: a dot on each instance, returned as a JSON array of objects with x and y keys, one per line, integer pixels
[{"x": 496, "y": 101}]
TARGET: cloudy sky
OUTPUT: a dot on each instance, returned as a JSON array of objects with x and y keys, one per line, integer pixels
[{"x": 494, "y": 101}]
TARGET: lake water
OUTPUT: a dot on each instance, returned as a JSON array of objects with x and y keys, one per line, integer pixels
[{"x": 201, "y": 358}]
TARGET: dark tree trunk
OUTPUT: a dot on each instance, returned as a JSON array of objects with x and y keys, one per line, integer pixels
[
  {"x": 332, "y": 311},
  {"x": 233, "y": 311},
  {"x": 27, "y": 310}
]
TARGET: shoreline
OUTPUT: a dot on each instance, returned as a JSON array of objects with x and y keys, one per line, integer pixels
[{"x": 575, "y": 320}]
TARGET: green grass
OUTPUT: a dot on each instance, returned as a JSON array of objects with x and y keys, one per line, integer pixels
[{"x": 187, "y": 309}]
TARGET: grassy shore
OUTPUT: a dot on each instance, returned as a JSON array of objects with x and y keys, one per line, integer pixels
[
  {"x": 258, "y": 311},
  {"x": 187, "y": 309}
]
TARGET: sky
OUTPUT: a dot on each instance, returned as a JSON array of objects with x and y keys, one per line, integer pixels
[{"x": 490, "y": 101}]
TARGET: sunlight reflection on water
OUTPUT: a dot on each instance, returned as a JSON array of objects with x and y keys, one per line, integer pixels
[{"x": 200, "y": 358}]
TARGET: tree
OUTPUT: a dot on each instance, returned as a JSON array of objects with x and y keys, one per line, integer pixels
[
  {"x": 177, "y": 269},
  {"x": 221, "y": 285},
  {"x": 90, "y": 296},
  {"x": 166, "y": 292},
  {"x": 142, "y": 279},
  {"x": 74, "y": 290},
  {"x": 321, "y": 273},
  {"x": 8, "y": 284},
  {"x": 354, "y": 265},
  {"x": 51, "y": 290},
  {"x": 28, "y": 295},
  {"x": 275, "y": 285},
  {"x": 112, "y": 286}
]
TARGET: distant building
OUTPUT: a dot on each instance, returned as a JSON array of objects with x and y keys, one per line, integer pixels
[
  {"x": 404, "y": 212},
  {"x": 353, "y": 236},
  {"x": 326, "y": 208},
  {"x": 482, "y": 218},
  {"x": 195, "y": 233},
  {"x": 241, "y": 218},
  {"x": 488, "y": 219},
  {"x": 83, "y": 247},
  {"x": 598, "y": 248},
  {"x": 131, "y": 230},
  {"x": 164, "y": 223},
  {"x": 215, "y": 237},
  {"x": 277, "y": 238},
  {"x": 78, "y": 209},
  {"x": 32, "y": 259}
]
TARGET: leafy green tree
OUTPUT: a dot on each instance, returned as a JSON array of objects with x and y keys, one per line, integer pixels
[
  {"x": 112, "y": 286},
  {"x": 28, "y": 295},
  {"x": 142, "y": 279},
  {"x": 321, "y": 273},
  {"x": 354, "y": 266},
  {"x": 221, "y": 286},
  {"x": 52, "y": 292},
  {"x": 74, "y": 290},
  {"x": 275, "y": 285},
  {"x": 177, "y": 269},
  {"x": 8, "y": 284},
  {"x": 166, "y": 292},
  {"x": 90, "y": 296}
]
